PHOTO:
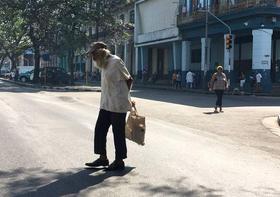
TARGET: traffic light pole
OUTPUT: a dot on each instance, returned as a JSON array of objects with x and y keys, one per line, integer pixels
[
  {"x": 229, "y": 29},
  {"x": 207, "y": 11}
]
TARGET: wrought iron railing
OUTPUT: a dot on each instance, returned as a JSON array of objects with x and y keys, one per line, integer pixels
[{"x": 223, "y": 8}]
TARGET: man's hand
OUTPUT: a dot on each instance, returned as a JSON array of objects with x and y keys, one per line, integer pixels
[
  {"x": 129, "y": 82},
  {"x": 132, "y": 103}
]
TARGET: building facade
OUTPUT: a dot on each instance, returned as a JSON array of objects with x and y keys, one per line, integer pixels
[
  {"x": 157, "y": 42},
  {"x": 125, "y": 48},
  {"x": 255, "y": 26}
]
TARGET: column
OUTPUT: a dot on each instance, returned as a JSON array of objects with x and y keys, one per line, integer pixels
[
  {"x": 136, "y": 62},
  {"x": 203, "y": 66},
  {"x": 186, "y": 58},
  {"x": 174, "y": 56},
  {"x": 204, "y": 74},
  {"x": 116, "y": 49},
  {"x": 262, "y": 42}
]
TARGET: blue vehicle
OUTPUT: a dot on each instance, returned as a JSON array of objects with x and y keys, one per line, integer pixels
[{"x": 27, "y": 76}]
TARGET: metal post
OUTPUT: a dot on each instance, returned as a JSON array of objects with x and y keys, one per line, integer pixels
[{"x": 206, "y": 46}]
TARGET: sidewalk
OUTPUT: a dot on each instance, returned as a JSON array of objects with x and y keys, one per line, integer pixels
[
  {"x": 199, "y": 91},
  {"x": 78, "y": 87},
  {"x": 95, "y": 87}
]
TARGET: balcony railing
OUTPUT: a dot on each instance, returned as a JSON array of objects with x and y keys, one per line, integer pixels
[{"x": 220, "y": 9}]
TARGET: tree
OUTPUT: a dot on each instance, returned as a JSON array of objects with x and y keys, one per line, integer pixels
[
  {"x": 71, "y": 28},
  {"x": 13, "y": 34},
  {"x": 40, "y": 17},
  {"x": 102, "y": 17}
]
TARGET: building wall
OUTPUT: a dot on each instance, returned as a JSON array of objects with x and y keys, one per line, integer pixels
[
  {"x": 156, "y": 20},
  {"x": 246, "y": 51},
  {"x": 157, "y": 15},
  {"x": 195, "y": 66},
  {"x": 217, "y": 52}
]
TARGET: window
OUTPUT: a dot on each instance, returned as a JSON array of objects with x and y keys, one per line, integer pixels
[
  {"x": 196, "y": 56},
  {"x": 131, "y": 16}
]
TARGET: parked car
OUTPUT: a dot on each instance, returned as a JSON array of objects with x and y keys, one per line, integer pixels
[
  {"x": 3, "y": 72},
  {"x": 27, "y": 76},
  {"x": 54, "y": 75}
]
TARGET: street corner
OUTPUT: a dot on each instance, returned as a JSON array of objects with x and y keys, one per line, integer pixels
[{"x": 272, "y": 123}]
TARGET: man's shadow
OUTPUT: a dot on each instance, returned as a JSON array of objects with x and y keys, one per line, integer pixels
[
  {"x": 210, "y": 113},
  {"x": 74, "y": 183}
]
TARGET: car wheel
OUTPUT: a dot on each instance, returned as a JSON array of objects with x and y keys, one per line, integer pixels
[{"x": 23, "y": 79}]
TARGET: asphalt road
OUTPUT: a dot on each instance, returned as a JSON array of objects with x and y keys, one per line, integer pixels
[{"x": 46, "y": 137}]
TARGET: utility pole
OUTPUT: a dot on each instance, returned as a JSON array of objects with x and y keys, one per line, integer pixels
[
  {"x": 207, "y": 11},
  {"x": 206, "y": 46}
]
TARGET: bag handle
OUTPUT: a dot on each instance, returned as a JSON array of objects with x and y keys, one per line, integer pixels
[{"x": 133, "y": 107}]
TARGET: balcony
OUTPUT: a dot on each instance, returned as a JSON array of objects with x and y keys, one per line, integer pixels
[{"x": 185, "y": 17}]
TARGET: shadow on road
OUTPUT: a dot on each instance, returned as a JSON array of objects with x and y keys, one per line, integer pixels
[
  {"x": 210, "y": 113},
  {"x": 66, "y": 183},
  {"x": 178, "y": 189},
  {"x": 203, "y": 100}
]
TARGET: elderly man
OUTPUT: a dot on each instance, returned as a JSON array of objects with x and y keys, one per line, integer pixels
[{"x": 115, "y": 102}]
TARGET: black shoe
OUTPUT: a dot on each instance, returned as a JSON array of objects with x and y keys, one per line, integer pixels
[
  {"x": 98, "y": 162},
  {"x": 116, "y": 165}
]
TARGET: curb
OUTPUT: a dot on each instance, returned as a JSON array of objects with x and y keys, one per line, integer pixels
[
  {"x": 196, "y": 91},
  {"x": 53, "y": 88},
  {"x": 200, "y": 91}
]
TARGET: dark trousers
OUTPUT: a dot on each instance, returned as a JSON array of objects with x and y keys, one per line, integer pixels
[
  {"x": 104, "y": 121},
  {"x": 219, "y": 94}
]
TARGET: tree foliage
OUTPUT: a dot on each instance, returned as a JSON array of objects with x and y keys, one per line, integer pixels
[
  {"x": 13, "y": 33},
  {"x": 57, "y": 26}
]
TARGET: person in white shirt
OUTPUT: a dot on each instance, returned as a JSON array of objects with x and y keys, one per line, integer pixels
[
  {"x": 258, "y": 81},
  {"x": 189, "y": 79},
  {"x": 114, "y": 104}
]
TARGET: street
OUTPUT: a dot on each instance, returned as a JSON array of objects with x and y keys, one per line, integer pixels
[{"x": 47, "y": 136}]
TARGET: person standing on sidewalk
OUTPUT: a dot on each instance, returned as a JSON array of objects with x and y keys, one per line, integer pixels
[
  {"x": 258, "y": 82},
  {"x": 115, "y": 102},
  {"x": 174, "y": 77},
  {"x": 178, "y": 80},
  {"x": 219, "y": 85},
  {"x": 189, "y": 79}
]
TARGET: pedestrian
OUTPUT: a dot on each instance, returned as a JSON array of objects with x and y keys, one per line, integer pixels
[
  {"x": 219, "y": 84},
  {"x": 242, "y": 81},
  {"x": 194, "y": 80},
  {"x": 189, "y": 79},
  {"x": 174, "y": 77},
  {"x": 252, "y": 79},
  {"x": 178, "y": 80},
  {"x": 13, "y": 74},
  {"x": 258, "y": 82},
  {"x": 115, "y": 102}
]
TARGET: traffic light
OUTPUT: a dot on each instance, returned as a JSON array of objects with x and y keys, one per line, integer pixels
[{"x": 228, "y": 41}]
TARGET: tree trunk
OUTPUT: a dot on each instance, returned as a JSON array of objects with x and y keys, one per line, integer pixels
[
  {"x": 13, "y": 62},
  {"x": 71, "y": 64},
  {"x": 1, "y": 63},
  {"x": 37, "y": 64}
]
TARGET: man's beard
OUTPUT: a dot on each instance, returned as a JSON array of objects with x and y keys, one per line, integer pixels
[{"x": 102, "y": 59}]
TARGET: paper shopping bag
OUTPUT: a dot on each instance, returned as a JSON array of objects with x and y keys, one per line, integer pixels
[{"x": 135, "y": 127}]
